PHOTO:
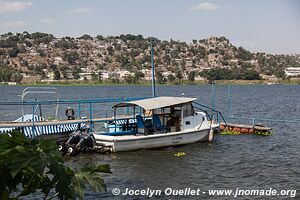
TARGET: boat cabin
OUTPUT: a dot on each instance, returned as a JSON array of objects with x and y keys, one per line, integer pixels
[{"x": 159, "y": 115}]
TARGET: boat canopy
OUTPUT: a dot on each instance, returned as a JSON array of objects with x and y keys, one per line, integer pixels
[{"x": 157, "y": 102}]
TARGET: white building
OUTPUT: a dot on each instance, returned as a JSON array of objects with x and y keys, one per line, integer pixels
[
  {"x": 105, "y": 75},
  {"x": 147, "y": 73},
  {"x": 87, "y": 76},
  {"x": 33, "y": 53},
  {"x": 124, "y": 73},
  {"x": 292, "y": 71},
  {"x": 50, "y": 75},
  {"x": 58, "y": 60},
  {"x": 168, "y": 73}
]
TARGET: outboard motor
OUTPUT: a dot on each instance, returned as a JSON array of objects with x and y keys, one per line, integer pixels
[
  {"x": 79, "y": 141},
  {"x": 75, "y": 138},
  {"x": 85, "y": 144}
]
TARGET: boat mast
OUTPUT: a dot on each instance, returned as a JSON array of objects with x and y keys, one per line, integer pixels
[{"x": 153, "y": 72}]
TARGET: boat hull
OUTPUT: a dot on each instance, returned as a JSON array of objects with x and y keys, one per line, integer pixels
[{"x": 135, "y": 142}]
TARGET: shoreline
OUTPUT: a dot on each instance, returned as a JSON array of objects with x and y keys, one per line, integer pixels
[{"x": 185, "y": 83}]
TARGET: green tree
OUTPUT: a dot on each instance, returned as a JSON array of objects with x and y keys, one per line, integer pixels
[
  {"x": 86, "y": 37},
  {"x": 28, "y": 43},
  {"x": 230, "y": 74},
  {"x": 138, "y": 75},
  {"x": 244, "y": 54},
  {"x": 34, "y": 165},
  {"x": 129, "y": 79},
  {"x": 160, "y": 77},
  {"x": 179, "y": 75},
  {"x": 16, "y": 77},
  {"x": 8, "y": 74},
  {"x": 114, "y": 80},
  {"x": 66, "y": 43},
  {"x": 41, "y": 52},
  {"x": 171, "y": 78},
  {"x": 201, "y": 52},
  {"x": 191, "y": 76},
  {"x": 13, "y": 52},
  {"x": 94, "y": 77},
  {"x": 110, "y": 50},
  {"x": 63, "y": 70},
  {"x": 56, "y": 75},
  {"x": 7, "y": 44},
  {"x": 100, "y": 37},
  {"x": 123, "y": 59},
  {"x": 250, "y": 74},
  {"x": 279, "y": 73},
  {"x": 71, "y": 57},
  {"x": 76, "y": 72},
  {"x": 100, "y": 76},
  {"x": 42, "y": 37}
]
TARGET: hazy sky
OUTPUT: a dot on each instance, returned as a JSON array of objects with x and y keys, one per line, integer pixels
[{"x": 271, "y": 26}]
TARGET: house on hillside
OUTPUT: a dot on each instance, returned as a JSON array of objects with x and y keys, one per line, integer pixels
[
  {"x": 292, "y": 71},
  {"x": 123, "y": 73},
  {"x": 85, "y": 76}
]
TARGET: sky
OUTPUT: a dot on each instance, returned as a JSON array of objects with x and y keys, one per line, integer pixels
[{"x": 271, "y": 26}]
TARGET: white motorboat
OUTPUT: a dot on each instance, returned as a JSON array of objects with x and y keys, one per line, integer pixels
[{"x": 163, "y": 122}]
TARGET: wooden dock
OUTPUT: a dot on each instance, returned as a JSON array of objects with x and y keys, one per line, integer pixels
[
  {"x": 244, "y": 129},
  {"x": 58, "y": 122}
]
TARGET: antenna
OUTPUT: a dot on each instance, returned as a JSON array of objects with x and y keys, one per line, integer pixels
[{"x": 153, "y": 71}]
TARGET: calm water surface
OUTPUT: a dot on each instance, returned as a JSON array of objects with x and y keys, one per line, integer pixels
[{"x": 230, "y": 162}]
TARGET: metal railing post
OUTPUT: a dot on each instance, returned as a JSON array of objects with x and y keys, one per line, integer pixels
[
  {"x": 79, "y": 110},
  {"x": 91, "y": 118},
  {"x": 127, "y": 109},
  {"x": 228, "y": 103},
  {"x": 33, "y": 129},
  {"x": 253, "y": 121},
  {"x": 212, "y": 98}
]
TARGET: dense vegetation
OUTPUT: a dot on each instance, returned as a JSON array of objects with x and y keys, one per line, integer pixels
[
  {"x": 8, "y": 74},
  {"x": 30, "y": 165},
  {"x": 230, "y": 74}
]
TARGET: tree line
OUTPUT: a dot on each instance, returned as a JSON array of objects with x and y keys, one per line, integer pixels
[
  {"x": 230, "y": 74},
  {"x": 8, "y": 74}
]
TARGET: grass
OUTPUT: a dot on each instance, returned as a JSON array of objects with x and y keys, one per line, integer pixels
[
  {"x": 227, "y": 132},
  {"x": 264, "y": 133}
]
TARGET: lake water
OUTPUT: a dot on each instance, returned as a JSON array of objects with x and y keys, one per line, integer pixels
[{"x": 229, "y": 162}]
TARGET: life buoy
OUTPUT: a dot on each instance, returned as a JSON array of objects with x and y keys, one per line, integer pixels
[{"x": 70, "y": 113}]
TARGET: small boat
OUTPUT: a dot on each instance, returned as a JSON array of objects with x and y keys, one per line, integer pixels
[
  {"x": 35, "y": 124},
  {"x": 24, "y": 124},
  {"x": 162, "y": 122}
]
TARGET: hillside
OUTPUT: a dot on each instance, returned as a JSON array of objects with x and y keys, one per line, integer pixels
[{"x": 126, "y": 58}]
